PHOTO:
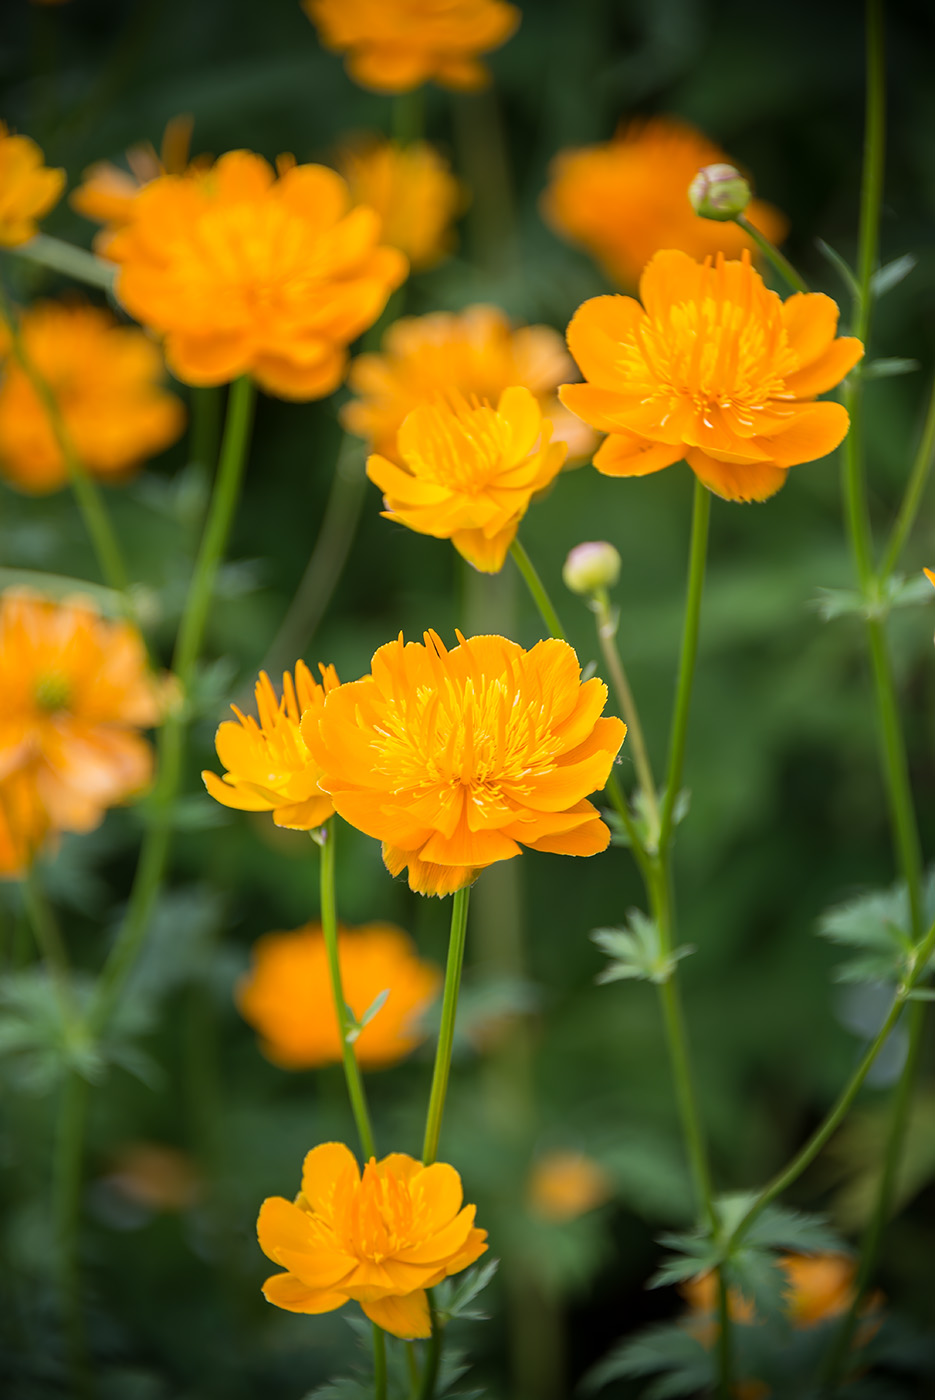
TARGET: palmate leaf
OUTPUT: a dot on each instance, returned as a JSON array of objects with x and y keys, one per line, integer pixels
[
  {"x": 453, "y": 1297},
  {"x": 635, "y": 951},
  {"x": 669, "y": 1348},
  {"x": 878, "y": 924},
  {"x": 778, "y": 1227}
]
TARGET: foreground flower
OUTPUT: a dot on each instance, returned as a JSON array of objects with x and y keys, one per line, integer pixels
[
  {"x": 413, "y": 191},
  {"x": 455, "y": 759},
  {"x": 28, "y": 188},
  {"x": 566, "y": 1184},
  {"x": 381, "y": 1239},
  {"x": 469, "y": 473},
  {"x": 448, "y": 356},
  {"x": 716, "y": 370},
  {"x": 74, "y": 693},
  {"x": 625, "y": 199},
  {"x": 107, "y": 381},
  {"x": 244, "y": 273},
  {"x": 396, "y": 45},
  {"x": 269, "y": 765},
  {"x": 107, "y": 192},
  {"x": 287, "y": 997}
]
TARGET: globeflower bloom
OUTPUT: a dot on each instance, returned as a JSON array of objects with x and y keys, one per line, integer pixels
[
  {"x": 107, "y": 381},
  {"x": 107, "y": 192},
  {"x": 712, "y": 368},
  {"x": 28, "y": 188},
  {"x": 382, "y": 1238},
  {"x": 269, "y": 767},
  {"x": 244, "y": 273},
  {"x": 623, "y": 200},
  {"x": 456, "y": 759},
  {"x": 24, "y": 822},
  {"x": 469, "y": 473},
  {"x": 286, "y": 995},
  {"x": 396, "y": 45},
  {"x": 452, "y": 355},
  {"x": 413, "y": 191},
  {"x": 565, "y": 1184}
]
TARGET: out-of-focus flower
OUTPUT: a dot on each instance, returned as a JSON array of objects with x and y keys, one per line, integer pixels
[
  {"x": 153, "y": 1175},
  {"x": 591, "y": 566},
  {"x": 107, "y": 192},
  {"x": 566, "y": 1184},
  {"x": 456, "y": 759},
  {"x": 819, "y": 1286},
  {"x": 24, "y": 822},
  {"x": 396, "y": 45},
  {"x": 448, "y": 356},
  {"x": 625, "y": 199},
  {"x": 244, "y": 273},
  {"x": 382, "y": 1238},
  {"x": 716, "y": 370},
  {"x": 74, "y": 693},
  {"x": 412, "y": 189},
  {"x": 286, "y": 995},
  {"x": 269, "y": 767},
  {"x": 107, "y": 381},
  {"x": 469, "y": 473},
  {"x": 28, "y": 188}
]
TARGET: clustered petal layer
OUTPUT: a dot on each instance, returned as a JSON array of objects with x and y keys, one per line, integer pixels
[
  {"x": 107, "y": 192},
  {"x": 28, "y": 188},
  {"x": 413, "y": 191},
  {"x": 456, "y": 759},
  {"x": 713, "y": 368},
  {"x": 469, "y": 473},
  {"x": 244, "y": 273},
  {"x": 269, "y": 766},
  {"x": 382, "y": 1238}
]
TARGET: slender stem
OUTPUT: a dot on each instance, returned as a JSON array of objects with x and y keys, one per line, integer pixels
[
  {"x": 616, "y": 794},
  {"x": 769, "y": 250},
  {"x": 915, "y": 488},
  {"x": 856, "y": 512},
  {"x": 66, "y": 1188},
  {"x": 379, "y": 1363},
  {"x": 59, "y": 256},
  {"x": 536, "y": 587},
  {"x": 48, "y": 937},
  {"x": 433, "y": 1355},
  {"x": 446, "y": 1030},
  {"x": 206, "y": 426},
  {"x": 871, "y": 189},
  {"x": 407, "y": 119},
  {"x": 724, "y": 1341},
  {"x": 329, "y": 928},
  {"x": 607, "y": 637}
]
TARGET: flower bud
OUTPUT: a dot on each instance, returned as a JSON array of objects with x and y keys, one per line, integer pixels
[
  {"x": 719, "y": 192},
  {"x": 591, "y": 566}
]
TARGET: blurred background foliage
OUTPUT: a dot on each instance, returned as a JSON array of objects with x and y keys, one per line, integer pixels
[{"x": 787, "y": 815}]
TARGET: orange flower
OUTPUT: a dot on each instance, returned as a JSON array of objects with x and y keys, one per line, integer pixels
[
  {"x": 24, "y": 822},
  {"x": 564, "y": 1185},
  {"x": 470, "y": 473},
  {"x": 454, "y": 759},
  {"x": 269, "y": 765},
  {"x": 396, "y": 45},
  {"x": 28, "y": 189},
  {"x": 716, "y": 370},
  {"x": 74, "y": 691},
  {"x": 625, "y": 199},
  {"x": 471, "y": 354},
  {"x": 155, "y": 1176},
  {"x": 244, "y": 273},
  {"x": 381, "y": 1239},
  {"x": 107, "y": 193},
  {"x": 819, "y": 1286},
  {"x": 106, "y": 379},
  {"x": 412, "y": 189},
  {"x": 286, "y": 996}
]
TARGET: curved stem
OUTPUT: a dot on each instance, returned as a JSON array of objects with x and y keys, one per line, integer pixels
[
  {"x": 536, "y": 587},
  {"x": 329, "y": 928},
  {"x": 769, "y": 250},
  {"x": 446, "y": 1030},
  {"x": 607, "y": 637},
  {"x": 915, "y": 488},
  {"x": 379, "y": 1363}
]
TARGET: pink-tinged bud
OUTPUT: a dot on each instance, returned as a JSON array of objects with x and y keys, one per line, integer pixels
[
  {"x": 591, "y": 567},
  {"x": 719, "y": 192}
]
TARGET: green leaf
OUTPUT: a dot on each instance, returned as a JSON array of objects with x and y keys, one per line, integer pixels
[
  {"x": 889, "y": 276},
  {"x": 778, "y": 1227},
  {"x": 454, "y": 1298},
  {"x": 877, "y": 924},
  {"x": 670, "y": 1348},
  {"x": 841, "y": 266},
  {"x": 636, "y": 951},
  {"x": 888, "y": 368}
]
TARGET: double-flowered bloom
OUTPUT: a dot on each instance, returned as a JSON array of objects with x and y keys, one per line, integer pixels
[
  {"x": 413, "y": 191},
  {"x": 382, "y": 1238}
]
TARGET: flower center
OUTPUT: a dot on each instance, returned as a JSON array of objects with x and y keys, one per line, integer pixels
[
  {"x": 462, "y": 450},
  {"x": 52, "y": 692}
]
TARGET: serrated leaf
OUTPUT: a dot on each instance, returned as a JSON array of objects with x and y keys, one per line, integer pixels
[
  {"x": 778, "y": 1227},
  {"x": 891, "y": 274},
  {"x": 831, "y": 603},
  {"x": 636, "y": 951},
  {"x": 666, "y": 1347},
  {"x": 756, "y": 1276},
  {"x": 889, "y": 368},
  {"x": 877, "y": 923},
  {"x": 453, "y": 1299}
]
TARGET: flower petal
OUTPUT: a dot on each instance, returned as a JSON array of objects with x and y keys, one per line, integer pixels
[{"x": 406, "y": 1317}]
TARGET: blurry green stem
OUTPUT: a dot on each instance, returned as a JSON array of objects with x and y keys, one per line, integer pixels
[
  {"x": 205, "y": 426},
  {"x": 484, "y": 161},
  {"x": 379, "y": 1363},
  {"x": 49, "y": 940},
  {"x": 66, "y": 1194},
  {"x": 407, "y": 122},
  {"x": 918, "y": 477},
  {"x": 446, "y": 1030},
  {"x": 329, "y": 928},
  {"x": 59, "y": 256},
  {"x": 536, "y": 587},
  {"x": 607, "y": 624},
  {"x": 433, "y": 1356},
  {"x": 769, "y": 250}
]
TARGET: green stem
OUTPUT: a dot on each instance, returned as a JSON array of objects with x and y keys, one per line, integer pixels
[
  {"x": 48, "y": 937},
  {"x": 871, "y": 189},
  {"x": 446, "y": 1030},
  {"x": 724, "y": 1340},
  {"x": 59, "y": 256},
  {"x": 329, "y": 928},
  {"x": 67, "y": 1182},
  {"x": 915, "y": 488},
  {"x": 769, "y": 250},
  {"x": 205, "y": 426},
  {"x": 607, "y": 637},
  {"x": 536, "y": 587},
  {"x": 407, "y": 117},
  {"x": 379, "y": 1363},
  {"x": 433, "y": 1355}
]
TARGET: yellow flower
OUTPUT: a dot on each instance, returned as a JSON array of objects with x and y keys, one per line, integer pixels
[
  {"x": 456, "y": 759},
  {"x": 413, "y": 191},
  {"x": 470, "y": 354},
  {"x": 24, "y": 821},
  {"x": 469, "y": 474},
  {"x": 382, "y": 1238},
  {"x": 269, "y": 765},
  {"x": 565, "y": 1184},
  {"x": 625, "y": 199},
  {"x": 28, "y": 189},
  {"x": 107, "y": 192},
  {"x": 396, "y": 45},
  {"x": 244, "y": 273},
  {"x": 286, "y": 996},
  {"x": 712, "y": 368},
  {"x": 107, "y": 382}
]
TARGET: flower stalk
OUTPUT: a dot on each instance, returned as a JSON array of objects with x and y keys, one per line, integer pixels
[
  {"x": 607, "y": 624},
  {"x": 446, "y": 1031},
  {"x": 774, "y": 257}
]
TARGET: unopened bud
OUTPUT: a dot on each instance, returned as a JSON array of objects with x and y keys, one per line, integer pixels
[
  {"x": 591, "y": 566},
  {"x": 719, "y": 192}
]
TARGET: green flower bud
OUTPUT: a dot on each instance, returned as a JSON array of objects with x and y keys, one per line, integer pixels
[
  {"x": 591, "y": 567},
  {"x": 719, "y": 192}
]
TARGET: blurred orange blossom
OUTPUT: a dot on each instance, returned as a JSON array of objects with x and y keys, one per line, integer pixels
[
  {"x": 107, "y": 192},
  {"x": 625, "y": 199},
  {"x": 714, "y": 369},
  {"x": 286, "y": 996},
  {"x": 456, "y": 759},
  {"x": 246, "y": 273},
  {"x": 396, "y": 45},
  {"x": 382, "y": 1238},
  {"x": 469, "y": 473},
  {"x": 28, "y": 188},
  {"x": 412, "y": 189},
  {"x": 818, "y": 1287},
  {"x": 269, "y": 767},
  {"x": 106, "y": 379},
  {"x": 24, "y": 822},
  {"x": 564, "y": 1184}
]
